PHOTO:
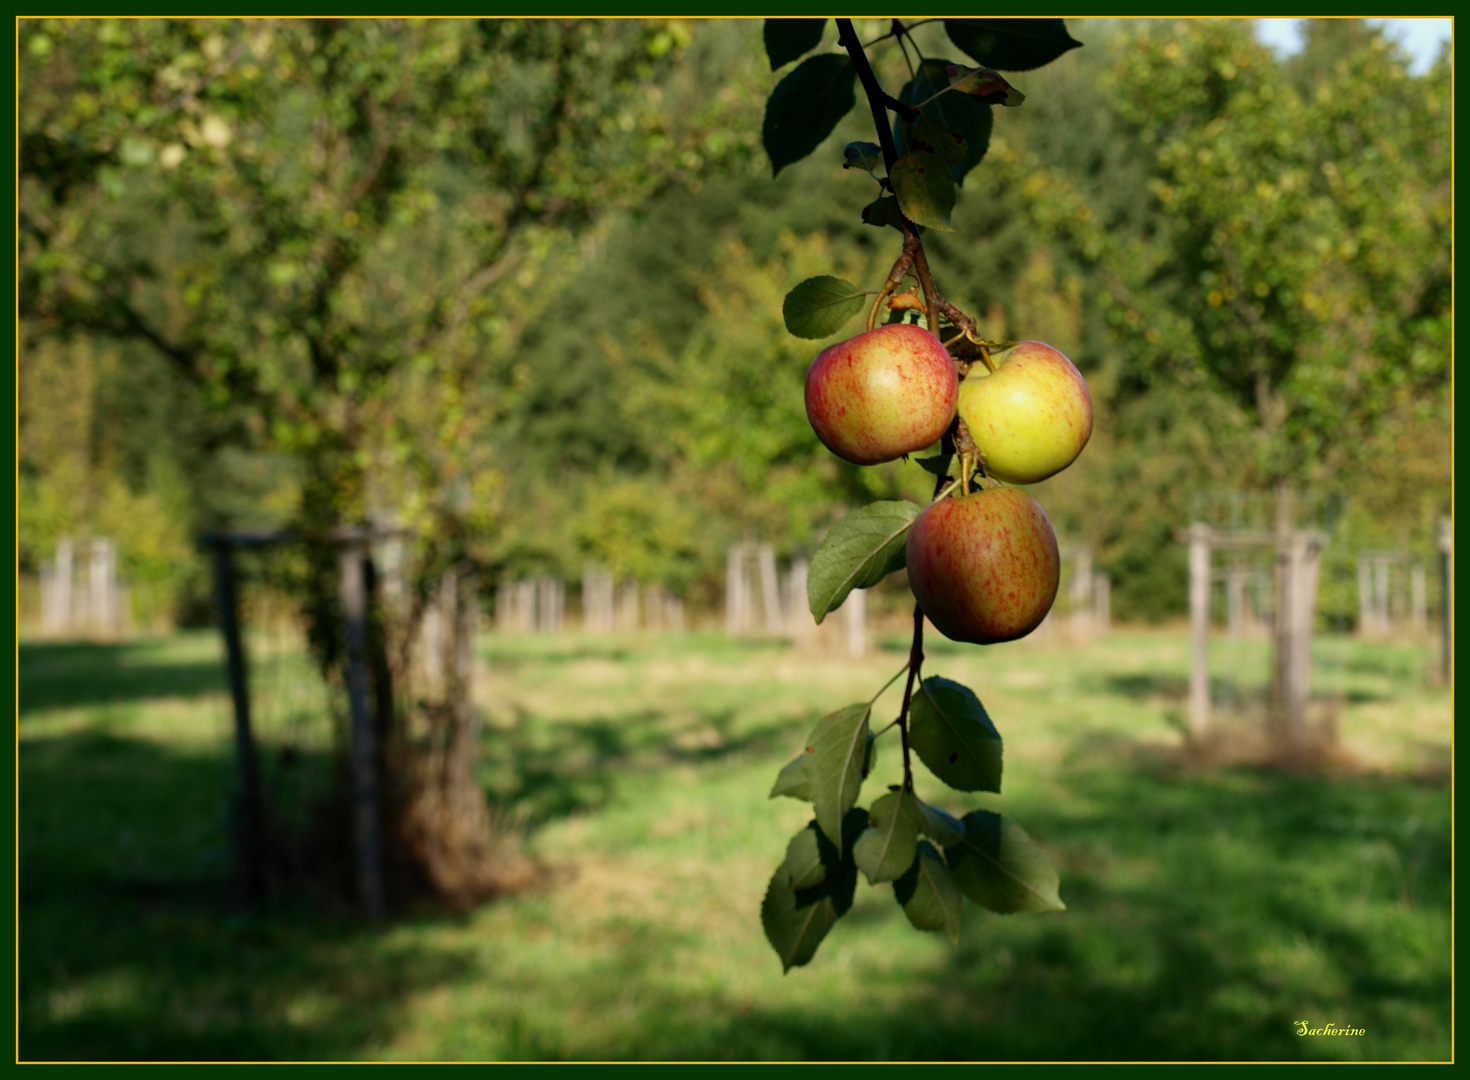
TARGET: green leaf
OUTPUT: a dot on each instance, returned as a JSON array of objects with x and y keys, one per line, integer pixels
[
  {"x": 985, "y": 84},
  {"x": 792, "y": 781},
  {"x": 787, "y": 39},
  {"x": 835, "y": 752},
  {"x": 943, "y": 828},
  {"x": 805, "y": 107},
  {"x": 1011, "y": 44},
  {"x": 925, "y": 189},
  {"x": 819, "y": 306},
  {"x": 886, "y": 849},
  {"x": 938, "y": 465},
  {"x": 1000, "y": 868},
  {"x": 952, "y": 734},
  {"x": 804, "y": 858},
  {"x": 859, "y": 551},
  {"x": 959, "y": 113},
  {"x": 793, "y": 928},
  {"x": 932, "y": 137},
  {"x": 862, "y": 155},
  {"x": 883, "y": 211},
  {"x": 929, "y": 894}
]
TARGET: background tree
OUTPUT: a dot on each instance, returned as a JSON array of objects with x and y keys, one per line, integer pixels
[{"x": 343, "y": 228}]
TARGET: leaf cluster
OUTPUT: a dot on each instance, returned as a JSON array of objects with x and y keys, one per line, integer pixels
[{"x": 933, "y": 860}]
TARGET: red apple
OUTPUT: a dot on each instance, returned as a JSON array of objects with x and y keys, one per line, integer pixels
[
  {"x": 1031, "y": 417},
  {"x": 882, "y": 394},
  {"x": 985, "y": 566}
]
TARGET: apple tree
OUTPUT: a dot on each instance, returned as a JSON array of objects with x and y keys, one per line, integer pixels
[
  {"x": 981, "y": 558},
  {"x": 340, "y": 231}
]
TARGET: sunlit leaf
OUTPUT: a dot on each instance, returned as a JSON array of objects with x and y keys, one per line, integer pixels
[
  {"x": 982, "y": 83},
  {"x": 804, "y": 858},
  {"x": 859, "y": 551},
  {"x": 960, "y": 113},
  {"x": 886, "y": 848},
  {"x": 925, "y": 189},
  {"x": 836, "y": 750},
  {"x": 819, "y": 306},
  {"x": 792, "y": 781}
]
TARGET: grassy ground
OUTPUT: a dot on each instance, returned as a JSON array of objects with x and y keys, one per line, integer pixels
[{"x": 1209, "y": 908}]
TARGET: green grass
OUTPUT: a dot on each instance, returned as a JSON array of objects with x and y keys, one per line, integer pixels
[{"x": 1209, "y": 909}]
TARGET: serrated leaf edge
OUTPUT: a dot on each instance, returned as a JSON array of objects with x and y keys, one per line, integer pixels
[
  {"x": 845, "y": 586},
  {"x": 924, "y": 687}
]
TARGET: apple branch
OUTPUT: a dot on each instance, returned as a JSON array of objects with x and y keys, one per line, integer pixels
[{"x": 879, "y": 102}]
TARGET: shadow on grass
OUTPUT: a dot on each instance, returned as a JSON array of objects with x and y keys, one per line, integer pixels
[
  {"x": 78, "y": 674},
  {"x": 1208, "y": 912},
  {"x": 544, "y": 771}
]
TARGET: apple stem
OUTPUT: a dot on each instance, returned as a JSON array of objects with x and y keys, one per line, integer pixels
[
  {"x": 886, "y": 685},
  {"x": 916, "y": 660}
]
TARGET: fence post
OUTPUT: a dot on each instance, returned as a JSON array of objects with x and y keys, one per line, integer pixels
[
  {"x": 1081, "y": 594},
  {"x": 765, "y": 557},
  {"x": 800, "y": 623},
  {"x": 1102, "y": 603},
  {"x": 250, "y": 840},
  {"x": 1235, "y": 577},
  {"x": 1301, "y": 599},
  {"x": 58, "y": 611},
  {"x": 739, "y": 601},
  {"x": 855, "y": 611},
  {"x": 1199, "y": 628},
  {"x": 597, "y": 600},
  {"x": 1365, "y": 596},
  {"x": 365, "y": 821},
  {"x": 1418, "y": 600},
  {"x": 101, "y": 580}
]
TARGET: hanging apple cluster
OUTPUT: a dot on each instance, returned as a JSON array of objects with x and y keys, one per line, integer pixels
[{"x": 982, "y": 558}]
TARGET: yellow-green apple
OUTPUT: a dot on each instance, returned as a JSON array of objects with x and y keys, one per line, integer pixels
[
  {"x": 984, "y": 567},
  {"x": 881, "y": 394},
  {"x": 1031, "y": 417}
]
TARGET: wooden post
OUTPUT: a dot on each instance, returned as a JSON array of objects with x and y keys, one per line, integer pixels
[
  {"x": 1365, "y": 596},
  {"x": 739, "y": 601},
  {"x": 1235, "y": 577},
  {"x": 765, "y": 557},
  {"x": 101, "y": 584},
  {"x": 855, "y": 611},
  {"x": 366, "y": 830},
  {"x": 628, "y": 614},
  {"x": 1418, "y": 600},
  {"x": 58, "y": 618},
  {"x": 597, "y": 600},
  {"x": 800, "y": 623},
  {"x": 250, "y": 838},
  {"x": 1199, "y": 630},
  {"x": 1447, "y": 605},
  {"x": 1082, "y": 594},
  {"x": 1304, "y": 562}
]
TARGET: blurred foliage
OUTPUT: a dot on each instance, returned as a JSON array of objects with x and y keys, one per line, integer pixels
[{"x": 548, "y": 334}]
